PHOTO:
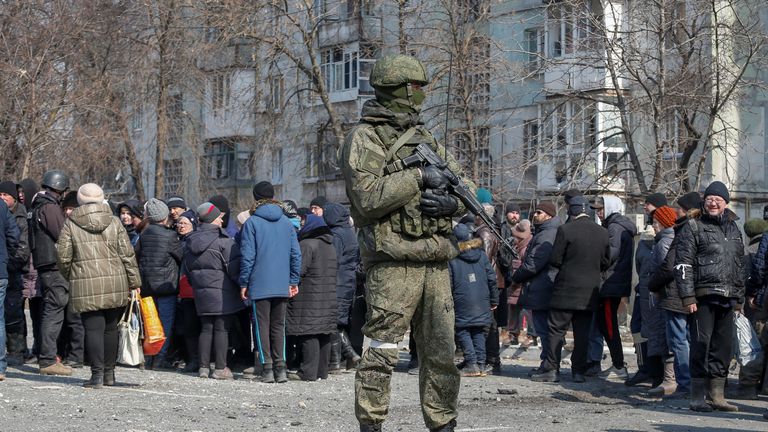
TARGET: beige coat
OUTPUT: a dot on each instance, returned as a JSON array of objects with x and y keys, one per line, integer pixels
[{"x": 97, "y": 258}]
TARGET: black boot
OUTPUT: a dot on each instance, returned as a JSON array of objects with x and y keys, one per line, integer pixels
[
  {"x": 334, "y": 365},
  {"x": 448, "y": 427},
  {"x": 16, "y": 348},
  {"x": 267, "y": 376},
  {"x": 655, "y": 368},
  {"x": 96, "y": 381},
  {"x": 370, "y": 427},
  {"x": 347, "y": 352},
  {"x": 109, "y": 377},
  {"x": 281, "y": 372}
]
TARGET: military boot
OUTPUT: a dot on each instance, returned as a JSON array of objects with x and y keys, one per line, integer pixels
[
  {"x": 448, "y": 427},
  {"x": 699, "y": 395},
  {"x": 716, "y": 394},
  {"x": 376, "y": 427},
  {"x": 334, "y": 365}
]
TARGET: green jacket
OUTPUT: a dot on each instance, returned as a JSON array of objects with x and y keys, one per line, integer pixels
[
  {"x": 385, "y": 206},
  {"x": 96, "y": 257}
]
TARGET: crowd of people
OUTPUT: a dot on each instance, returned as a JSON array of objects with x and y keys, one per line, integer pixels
[{"x": 280, "y": 288}]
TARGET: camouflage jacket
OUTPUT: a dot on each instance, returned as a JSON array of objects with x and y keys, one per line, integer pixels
[{"x": 386, "y": 206}]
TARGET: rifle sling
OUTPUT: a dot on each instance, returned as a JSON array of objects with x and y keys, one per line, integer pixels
[{"x": 398, "y": 165}]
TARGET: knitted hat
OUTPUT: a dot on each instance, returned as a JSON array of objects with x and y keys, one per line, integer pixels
[
  {"x": 176, "y": 201},
  {"x": 512, "y": 207},
  {"x": 318, "y": 201},
  {"x": 155, "y": 210},
  {"x": 689, "y": 201},
  {"x": 222, "y": 203},
  {"x": 665, "y": 216},
  {"x": 9, "y": 187},
  {"x": 717, "y": 188},
  {"x": 577, "y": 205},
  {"x": 599, "y": 203},
  {"x": 289, "y": 208},
  {"x": 462, "y": 232},
  {"x": 208, "y": 212},
  {"x": 755, "y": 227},
  {"x": 90, "y": 193},
  {"x": 484, "y": 195},
  {"x": 263, "y": 190},
  {"x": 522, "y": 230},
  {"x": 69, "y": 200},
  {"x": 191, "y": 217},
  {"x": 656, "y": 199},
  {"x": 547, "y": 207}
]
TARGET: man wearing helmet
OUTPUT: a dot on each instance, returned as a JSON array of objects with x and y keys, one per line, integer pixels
[
  {"x": 405, "y": 244},
  {"x": 47, "y": 219}
]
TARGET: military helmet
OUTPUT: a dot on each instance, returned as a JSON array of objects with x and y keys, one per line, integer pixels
[
  {"x": 397, "y": 69},
  {"x": 56, "y": 180}
]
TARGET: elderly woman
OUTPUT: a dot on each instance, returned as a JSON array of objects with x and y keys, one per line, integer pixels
[{"x": 96, "y": 257}]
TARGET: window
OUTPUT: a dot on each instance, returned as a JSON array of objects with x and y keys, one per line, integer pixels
[
  {"x": 534, "y": 47},
  {"x": 276, "y": 90},
  {"x": 339, "y": 69},
  {"x": 220, "y": 90},
  {"x": 277, "y": 166},
  {"x": 310, "y": 160},
  {"x": 475, "y": 157},
  {"x": 228, "y": 160},
  {"x": 530, "y": 140},
  {"x": 368, "y": 55},
  {"x": 479, "y": 77},
  {"x": 172, "y": 169},
  {"x": 570, "y": 27}
]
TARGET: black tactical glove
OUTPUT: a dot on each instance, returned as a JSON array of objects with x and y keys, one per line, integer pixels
[
  {"x": 435, "y": 205},
  {"x": 433, "y": 178}
]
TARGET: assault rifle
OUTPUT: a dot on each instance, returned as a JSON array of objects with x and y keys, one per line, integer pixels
[{"x": 423, "y": 155}]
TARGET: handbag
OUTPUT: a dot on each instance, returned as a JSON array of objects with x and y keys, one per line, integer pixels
[
  {"x": 130, "y": 351},
  {"x": 154, "y": 337},
  {"x": 747, "y": 347}
]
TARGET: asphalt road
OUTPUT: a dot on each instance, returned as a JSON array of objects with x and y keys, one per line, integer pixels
[{"x": 167, "y": 401}]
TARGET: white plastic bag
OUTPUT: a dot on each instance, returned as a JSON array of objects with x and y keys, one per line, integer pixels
[
  {"x": 130, "y": 351},
  {"x": 747, "y": 347}
]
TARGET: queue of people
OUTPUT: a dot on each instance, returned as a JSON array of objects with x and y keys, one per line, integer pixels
[{"x": 276, "y": 286}]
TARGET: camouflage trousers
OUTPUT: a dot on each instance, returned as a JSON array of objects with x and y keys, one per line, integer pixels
[{"x": 398, "y": 293}]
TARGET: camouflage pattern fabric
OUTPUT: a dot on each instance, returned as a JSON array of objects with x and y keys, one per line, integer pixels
[
  {"x": 394, "y": 70},
  {"x": 399, "y": 293}
]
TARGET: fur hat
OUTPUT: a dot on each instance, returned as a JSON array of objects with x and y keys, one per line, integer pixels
[
  {"x": 155, "y": 210},
  {"x": 522, "y": 230},
  {"x": 90, "y": 193},
  {"x": 208, "y": 212}
]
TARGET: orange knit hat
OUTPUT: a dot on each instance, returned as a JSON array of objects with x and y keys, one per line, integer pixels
[{"x": 665, "y": 215}]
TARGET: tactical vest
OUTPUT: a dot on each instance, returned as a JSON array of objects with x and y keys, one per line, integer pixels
[
  {"x": 408, "y": 219},
  {"x": 42, "y": 244}
]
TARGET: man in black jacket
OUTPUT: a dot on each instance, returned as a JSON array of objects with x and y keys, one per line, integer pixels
[
  {"x": 18, "y": 264},
  {"x": 537, "y": 276},
  {"x": 45, "y": 226},
  {"x": 581, "y": 252},
  {"x": 709, "y": 273}
]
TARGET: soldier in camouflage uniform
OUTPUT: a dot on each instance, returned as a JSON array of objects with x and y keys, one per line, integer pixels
[{"x": 405, "y": 244}]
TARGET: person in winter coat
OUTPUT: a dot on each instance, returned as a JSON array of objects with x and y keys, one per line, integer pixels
[
  {"x": 581, "y": 252},
  {"x": 662, "y": 283},
  {"x": 537, "y": 277},
  {"x": 642, "y": 254},
  {"x": 312, "y": 313},
  {"x": 129, "y": 213},
  {"x": 229, "y": 223},
  {"x": 522, "y": 235},
  {"x": 269, "y": 275},
  {"x": 190, "y": 322},
  {"x": 709, "y": 273},
  {"x": 617, "y": 284},
  {"x": 475, "y": 296},
  {"x": 336, "y": 217},
  {"x": 45, "y": 224},
  {"x": 212, "y": 266},
  {"x": 159, "y": 255},
  {"x": 32, "y": 290},
  {"x": 653, "y": 326},
  {"x": 18, "y": 264},
  {"x": 9, "y": 241},
  {"x": 96, "y": 257}
]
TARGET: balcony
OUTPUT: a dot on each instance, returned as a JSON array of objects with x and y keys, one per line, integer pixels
[
  {"x": 567, "y": 75},
  {"x": 346, "y": 30}
]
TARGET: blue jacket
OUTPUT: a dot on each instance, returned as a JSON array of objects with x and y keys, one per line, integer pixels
[
  {"x": 9, "y": 238},
  {"x": 473, "y": 283},
  {"x": 271, "y": 258}
]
